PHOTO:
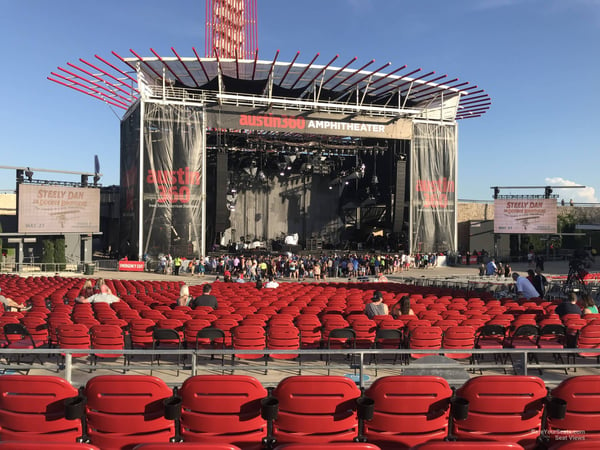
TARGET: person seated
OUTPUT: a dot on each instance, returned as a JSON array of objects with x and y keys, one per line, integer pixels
[
  {"x": 240, "y": 278},
  {"x": 589, "y": 305},
  {"x": 568, "y": 306},
  {"x": 184, "y": 296},
  {"x": 206, "y": 299},
  {"x": 376, "y": 307},
  {"x": 259, "y": 283},
  {"x": 104, "y": 296},
  {"x": 10, "y": 305},
  {"x": 402, "y": 308},
  {"x": 87, "y": 290},
  {"x": 271, "y": 284}
]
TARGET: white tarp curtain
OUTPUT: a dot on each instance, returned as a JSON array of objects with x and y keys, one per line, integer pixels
[
  {"x": 173, "y": 184},
  {"x": 433, "y": 188}
]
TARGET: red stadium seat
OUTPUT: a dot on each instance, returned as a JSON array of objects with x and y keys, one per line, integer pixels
[
  {"x": 32, "y": 409},
  {"x": 424, "y": 338},
  {"x": 107, "y": 337},
  {"x": 185, "y": 446},
  {"x": 330, "y": 445},
  {"x": 35, "y": 445},
  {"x": 409, "y": 410},
  {"x": 249, "y": 337},
  {"x": 220, "y": 409},
  {"x": 579, "y": 398},
  {"x": 459, "y": 337},
  {"x": 468, "y": 445},
  {"x": 316, "y": 409},
  {"x": 502, "y": 408},
  {"x": 124, "y": 410}
]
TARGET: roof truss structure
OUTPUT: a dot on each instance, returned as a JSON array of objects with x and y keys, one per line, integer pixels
[{"x": 364, "y": 90}]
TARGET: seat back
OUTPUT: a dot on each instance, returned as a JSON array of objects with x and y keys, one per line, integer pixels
[
  {"x": 582, "y": 397},
  {"x": 32, "y": 408},
  {"x": 123, "y": 410},
  {"x": 468, "y": 445},
  {"x": 409, "y": 410},
  {"x": 502, "y": 408},
  {"x": 36, "y": 445},
  {"x": 316, "y": 409},
  {"x": 222, "y": 409}
]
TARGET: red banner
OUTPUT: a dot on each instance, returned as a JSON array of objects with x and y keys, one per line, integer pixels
[{"x": 131, "y": 266}]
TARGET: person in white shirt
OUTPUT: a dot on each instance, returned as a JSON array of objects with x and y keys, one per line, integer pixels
[
  {"x": 523, "y": 287},
  {"x": 271, "y": 283},
  {"x": 103, "y": 297}
]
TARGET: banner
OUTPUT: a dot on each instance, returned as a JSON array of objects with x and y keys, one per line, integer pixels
[
  {"x": 433, "y": 188},
  {"x": 172, "y": 179},
  {"x": 525, "y": 216},
  {"x": 58, "y": 209},
  {"x": 307, "y": 122}
]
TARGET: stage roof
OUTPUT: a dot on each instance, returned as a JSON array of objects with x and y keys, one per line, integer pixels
[{"x": 120, "y": 80}]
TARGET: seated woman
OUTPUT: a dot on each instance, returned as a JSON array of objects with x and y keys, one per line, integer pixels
[
  {"x": 87, "y": 290},
  {"x": 402, "y": 308},
  {"x": 184, "y": 296},
  {"x": 589, "y": 306}
]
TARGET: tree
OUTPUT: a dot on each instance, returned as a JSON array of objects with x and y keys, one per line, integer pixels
[
  {"x": 59, "y": 253},
  {"x": 48, "y": 254}
]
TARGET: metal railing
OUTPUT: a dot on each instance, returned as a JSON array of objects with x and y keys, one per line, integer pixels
[{"x": 360, "y": 361}]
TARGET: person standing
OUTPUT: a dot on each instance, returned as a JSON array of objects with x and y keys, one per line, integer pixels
[
  {"x": 177, "y": 265},
  {"x": 540, "y": 282},
  {"x": 491, "y": 267}
]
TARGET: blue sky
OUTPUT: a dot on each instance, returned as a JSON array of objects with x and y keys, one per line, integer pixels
[{"x": 538, "y": 59}]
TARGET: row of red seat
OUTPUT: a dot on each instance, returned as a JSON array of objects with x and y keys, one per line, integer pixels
[{"x": 118, "y": 412}]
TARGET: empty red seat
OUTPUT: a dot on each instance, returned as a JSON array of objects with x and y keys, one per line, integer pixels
[
  {"x": 124, "y": 410},
  {"x": 316, "y": 409},
  {"x": 501, "y": 408},
  {"x": 408, "y": 410},
  {"x": 221, "y": 409},
  {"x": 579, "y": 398},
  {"x": 32, "y": 409}
]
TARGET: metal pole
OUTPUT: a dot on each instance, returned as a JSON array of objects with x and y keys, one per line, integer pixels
[
  {"x": 141, "y": 187},
  {"x": 68, "y": 367},
  {"x": 203, "y": 191}
]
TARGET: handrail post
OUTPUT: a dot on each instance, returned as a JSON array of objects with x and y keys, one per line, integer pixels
[
  {"x": 194, "y": 357},
  {"x": 360, "y": 369},
  {"x": 68, "y": 367}
]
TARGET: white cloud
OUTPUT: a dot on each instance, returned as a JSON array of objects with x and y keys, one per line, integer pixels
[{"x": 584, "y": 195}]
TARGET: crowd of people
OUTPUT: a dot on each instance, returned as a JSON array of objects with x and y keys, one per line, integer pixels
[{"x": 298, "y": 267}]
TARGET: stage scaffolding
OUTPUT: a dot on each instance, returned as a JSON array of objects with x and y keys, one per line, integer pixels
[{"x": 182, "y": 111}]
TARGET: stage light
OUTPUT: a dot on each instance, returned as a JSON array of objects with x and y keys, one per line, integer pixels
[
  {"x": 84, "y": 180},
  {"x": 29, "y": 174},
  {"x": 20, "y": 177}
]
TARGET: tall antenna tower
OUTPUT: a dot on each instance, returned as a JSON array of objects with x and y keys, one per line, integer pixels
[{"x": 231, "y": 29}]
